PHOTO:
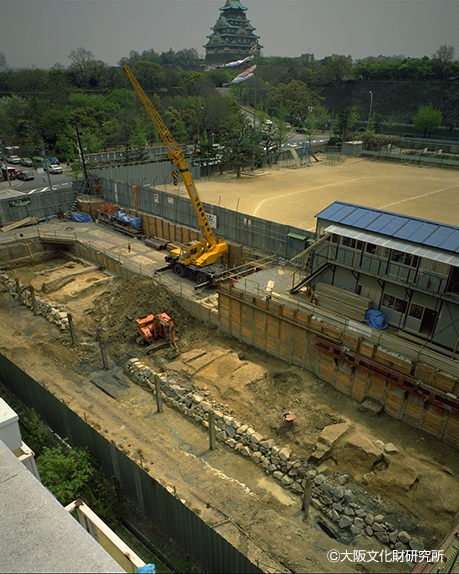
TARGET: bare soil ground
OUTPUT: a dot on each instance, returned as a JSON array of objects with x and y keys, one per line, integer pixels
[
  {"x": 296, "y": 196},
  {"x": 418, "y": 489}
]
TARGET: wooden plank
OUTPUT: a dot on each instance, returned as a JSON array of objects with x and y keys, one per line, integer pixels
[
  {"x": 376, "y": 388},
  {"x": 358, "y": 386},
  {"x": 413, "y": 409},
  {"x": 433, "y": 419},
  {"x": 394, "y": 401},
  {"x": 389, "y": 360},
  {"x": 444, "y": 382},
  {"x": 451, "y": 433},
  {"x": 343, "y": 381},
  {"x": 21, "y": 223}
]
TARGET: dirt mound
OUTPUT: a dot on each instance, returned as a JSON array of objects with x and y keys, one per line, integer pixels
[{"x": 116, "y": 311}]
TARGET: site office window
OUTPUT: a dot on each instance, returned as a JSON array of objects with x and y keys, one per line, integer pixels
[
  {"x": 402, "y": 266},
  {"x": 352, "y": 253},
  {"x": 394, "y": 303}
]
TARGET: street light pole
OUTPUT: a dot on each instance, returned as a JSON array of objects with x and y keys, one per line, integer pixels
[{"x": 371, "y": 105}]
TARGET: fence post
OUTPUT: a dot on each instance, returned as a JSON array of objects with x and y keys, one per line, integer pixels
[
  {"x": 212, "y": 430},
  {"x": 72, "y": 328},
  {"x": 18, "y": 291},
  {"x": 307, "y": 497},
  {"x": 34, "y": 299},
  {"x": 159, "y": 399}
]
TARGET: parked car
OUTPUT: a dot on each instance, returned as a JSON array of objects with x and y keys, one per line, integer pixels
[
  {"x": 54, "y": 168},
  {"x": 14, "y": 159},
  {"x": 27, "y": 162},
  {"x": 26, "y": 175},
  {"x": 12, "y": 172},
  {"x": 53, "y": 159}
]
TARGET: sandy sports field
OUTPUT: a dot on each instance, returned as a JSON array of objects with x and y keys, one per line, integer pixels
[{"x": 294, "y": 196}]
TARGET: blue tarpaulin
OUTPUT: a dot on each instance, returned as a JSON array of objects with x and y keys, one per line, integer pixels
[
  {"x": 135, "y": 222},
  {"x": 81, "y": 217},
  {"x": 376, "y": 319}
]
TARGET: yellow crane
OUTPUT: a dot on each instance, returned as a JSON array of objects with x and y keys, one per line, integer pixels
[{"x": 197, "y": 259}]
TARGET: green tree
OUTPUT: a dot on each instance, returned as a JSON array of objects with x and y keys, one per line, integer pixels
[
  {"x": 296, "y": 97},
  {"x": 442, "y": 58},
  {"x": 334, "y": 69},
  {"x": 376, "y": 123},
  {"x": 427, "y": 119},
  {"x": 66, "y": 474},
  {"x": 151, "y": 76},
  {"x": 344, "y": 124},
  {"x": 240, "y": 141}
]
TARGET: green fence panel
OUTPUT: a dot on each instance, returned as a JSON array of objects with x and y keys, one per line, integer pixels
[{"x": 195, "y": 537}]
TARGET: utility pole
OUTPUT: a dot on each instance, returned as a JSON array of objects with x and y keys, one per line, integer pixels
[
  {"x": 45, "y": 163},
  {"x": 371, "y": 106},
  {"x": 86, "y": 180}
]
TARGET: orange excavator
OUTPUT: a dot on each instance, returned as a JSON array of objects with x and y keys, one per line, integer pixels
[{"x": 156, "y": 331}]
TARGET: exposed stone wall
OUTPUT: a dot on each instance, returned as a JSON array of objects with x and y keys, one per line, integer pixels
[
  {"x": 342, "y": 513},
  {"x": 52, "y": 311}
]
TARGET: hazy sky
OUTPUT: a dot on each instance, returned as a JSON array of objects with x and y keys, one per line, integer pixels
[{"x": 40, "y": 33}]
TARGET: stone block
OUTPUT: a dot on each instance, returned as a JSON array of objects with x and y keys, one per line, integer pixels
[
  {"x": 404, "y": 537},
  {"x": 391, "y": 449},
  {"x": 256, "y": 456},
  {"x": 284, "y": 453},
  {"x": 369, "y": 519},
  {"x": 345, "y": 522},
  {"x": 278, "y": 475},
  {"x": 359, "y": 523},
  {"x": 286, "y": 480},
  {"x": 332, "y": 433},
  {"x": 256, "y": 438},
  {"x": 371, "y": 407},
  {"x": 382, "y": 537}
]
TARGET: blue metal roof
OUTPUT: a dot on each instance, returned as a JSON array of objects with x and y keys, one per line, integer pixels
[{"x": 412, "y": 229}]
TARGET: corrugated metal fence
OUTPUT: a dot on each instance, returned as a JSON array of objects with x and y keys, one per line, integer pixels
[
  {"x": 238, "y": 228},
  {"x": 38, "y": 204},
  {"x": 193, "y": 535}
]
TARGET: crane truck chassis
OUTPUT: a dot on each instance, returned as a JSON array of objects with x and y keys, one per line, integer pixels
[{"x": 197, "y": 260}]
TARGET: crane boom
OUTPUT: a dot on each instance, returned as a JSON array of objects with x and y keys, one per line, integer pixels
[{"x": 176, "y": 156}]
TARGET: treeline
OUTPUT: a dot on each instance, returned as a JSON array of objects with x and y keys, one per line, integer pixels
[{"x": 46, "y": 106}]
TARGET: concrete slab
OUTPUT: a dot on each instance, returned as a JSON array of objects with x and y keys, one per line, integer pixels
[{"x": 36, "y": 533}]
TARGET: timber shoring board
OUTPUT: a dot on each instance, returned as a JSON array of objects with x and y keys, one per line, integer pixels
[
  {"x": 376, "y": 389},
  {"x": 386, "y": 358},
  {"x": 413, "y": 409},
  {"x": 394, "y": 401},
  {"x": 291, "y": 335},
  {"x": 451, "y": 432},
  {"x": 433, "y": 420}
]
